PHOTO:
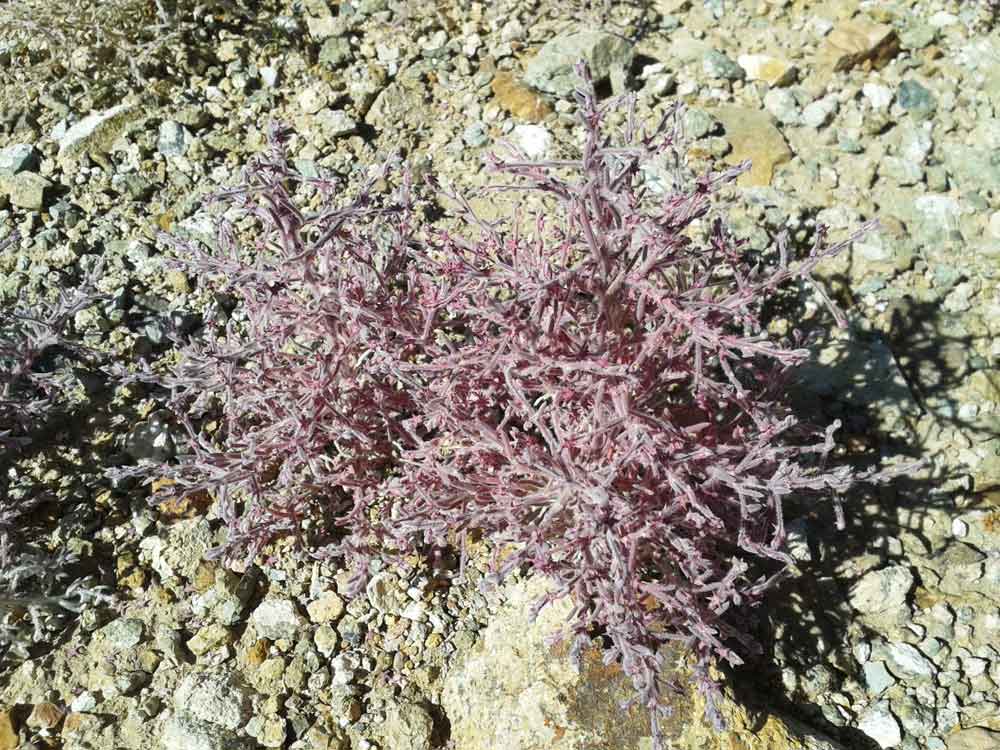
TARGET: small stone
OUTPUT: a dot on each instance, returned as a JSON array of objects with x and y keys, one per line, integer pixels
[
  {"x": 916, "y": 99},
  {"x": 269, "y": 731},
  {"x": 45, "y": 716},
  {"x": 818, "y": 113},
  {"x": 752, "y": 136},
  {"x": 909, "y": 663},
  {"x": 8, "y": 731},
  {"x": 415, "y": 611},
  {"x": 20, "y": 157},
  {"x": 533, "y": 140},
  {"x": 879, "y": 724},
  {"x": 518, "y": 99},
  {"x": 974, "y": 738},
  {"x": 408, "y": 726},
  {"x": 782, "y": 104},
  {"x": 877, "y": 677},
  {"x": 326, "y": 639},
  {"x": 173, "y": 139},
  {"x": 269, "y": 76},
  {"x": 209, "y": 638},
  {"x": 335, "y": 51},
  {"x": 313, "y": 98},
  {"x": 335, "y": 123},
  {"x": 881, "y": 590},
  {"x": 218, "y": 698},
  {"x": 772, "y": 70},
  {"x": 879, "y": 96},
  {"x": 327, "y": 608},
  {"x": 123, "y": 634},
  {"x": 994, "y": 225},
  {"x": 277, "y": 618},
  {"x": 942, "y": 18},
  {"x": 552, "y": 69},
  {"x": 26, "y": 190},
  {"x": 853, "y": 42},
  {"x": 85, "y": 702},
  {"x": 344, "y": 668},
  {"x": 902, "y": 171},
  {"x": 717, "y": 65},
  {"x": 476, "y": 135},
  {"x": 698, "y": 123}
]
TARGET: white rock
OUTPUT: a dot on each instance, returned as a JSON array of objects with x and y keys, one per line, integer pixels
[
  {"x": 415, "y": 611},
  {"x": 879, "y": 96},
  {"x": 534, "y": 140},
  {"x": 909, "y": 662},
  {"x": 995, "y": 224},
  {"x": 818, "y": 113},
  {"x": 942, "y": 19},
  {"x": 101, "y": 126},
  {"x": 773, "y": 70},
  {"x": 277, "y": 618},
  {"x": 217, "y": 698},
  {"x": 959, "y": 528},
  {"x": 880, "y": 725}
]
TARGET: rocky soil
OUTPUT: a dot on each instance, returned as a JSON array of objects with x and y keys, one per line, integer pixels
[{"x": 889, "y": 634}]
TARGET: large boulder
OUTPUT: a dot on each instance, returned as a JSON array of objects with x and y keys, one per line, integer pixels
[{"x": 513, "y": 691}]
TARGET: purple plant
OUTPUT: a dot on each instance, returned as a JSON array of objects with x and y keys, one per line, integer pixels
[
  {"x": 307, "y": 417},
  {"x": 596, "y": 393},
  {"x": 600, "y": 399}
]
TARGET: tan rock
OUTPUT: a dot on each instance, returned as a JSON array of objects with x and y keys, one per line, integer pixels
[
  {"x": 974, "y": 738},
  {"x": 327, "y": 608},
  {"x": 8, "y": 732},
  {"x": 853, "y": 42},
  {"x": 514, "y": 692},
  {"x": 752, "y": 135},
  {"x": 519, "y": 99},
  {"x": 45, "y": 716},
  {"x": 772, "y": 70}
]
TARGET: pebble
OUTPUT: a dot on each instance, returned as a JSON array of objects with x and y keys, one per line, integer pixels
[
  {"x": 879, "y": 96},
  {"x": 18, "y": 157},
  {"x": 879, "y": 724},
  {"x": 877, "y": 677},
  {"x": 718, "y": 65},
  {"x": 772, "y": 70},
  {"x": 277, "y": 618},
  {"x": 782, "y": 104},
  {"x": 820, "y": 112},
  {"x": 551, "y": 70},
  {"x": 851, "y": 43},
  {"x": 329, "y": 607},
  {"x": 915, "y": 98},
  {"x": 26, "y": 190},
  {"x": 909, "y": 663}
]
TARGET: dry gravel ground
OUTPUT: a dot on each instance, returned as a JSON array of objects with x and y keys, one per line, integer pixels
[{"x": 117, "y": 117}]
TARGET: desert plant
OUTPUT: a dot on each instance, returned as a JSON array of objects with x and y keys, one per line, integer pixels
[
  {"x": 600, "y": 394},
  {"x": 306, "y": 416},
  {"x": 595, "y": 392}
]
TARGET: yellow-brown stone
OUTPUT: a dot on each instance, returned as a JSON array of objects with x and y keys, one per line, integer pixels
[
  {"x": 854, "y": 42},
  {"x": 752, "y": 135},
  {"x": 8, "y": 731},
  {"x": 45, "y": 716},
  {"x": 519, "y": 99}
]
